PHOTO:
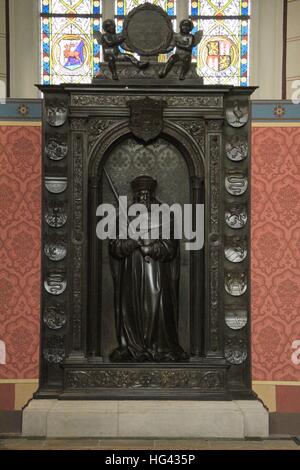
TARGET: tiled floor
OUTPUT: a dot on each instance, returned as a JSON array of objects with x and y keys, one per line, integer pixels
[{"x": 135, "y": 444}]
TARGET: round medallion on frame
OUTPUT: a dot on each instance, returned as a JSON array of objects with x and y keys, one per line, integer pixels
[{"x": 148, "y": 30}]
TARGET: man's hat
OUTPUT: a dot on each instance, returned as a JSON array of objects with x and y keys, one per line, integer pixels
[{"x": 143, "y": 183}]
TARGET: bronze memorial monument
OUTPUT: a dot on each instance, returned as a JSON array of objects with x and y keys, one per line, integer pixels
[{"x": 146, "y": 319}]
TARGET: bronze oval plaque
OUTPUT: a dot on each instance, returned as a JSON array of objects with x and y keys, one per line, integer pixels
[
  {"x": 148, "y": 30},
  {"x": 236, "y": 319}
]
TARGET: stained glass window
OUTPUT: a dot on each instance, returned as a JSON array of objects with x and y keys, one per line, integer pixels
[
  {"x": 124, "y": 6},
  {"x": 223, "y": 54},
  {"x": 70, "y": 54}
]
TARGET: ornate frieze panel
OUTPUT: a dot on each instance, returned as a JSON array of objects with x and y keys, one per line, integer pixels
[
  {"x": 174, "y": 101},
  {"x": 145, "y": 378}
]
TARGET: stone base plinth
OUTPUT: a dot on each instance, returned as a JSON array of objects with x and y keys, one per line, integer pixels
[{"x": 145, "y": 419}]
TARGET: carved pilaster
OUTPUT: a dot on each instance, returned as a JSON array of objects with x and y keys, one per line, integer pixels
[
  {"x": 77, "y": 243},
  {"x": 214, "y": 244},
  {"x": 197, "y": 281},
  {"x": 175, "y": 101}
]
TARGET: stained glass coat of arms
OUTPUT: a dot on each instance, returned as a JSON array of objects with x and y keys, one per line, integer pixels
[
  {"x": 223, "y": 55},
  {"x": 69, "y": 51}
]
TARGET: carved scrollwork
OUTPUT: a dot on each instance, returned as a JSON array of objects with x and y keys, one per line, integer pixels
[
  {"x": 78, "y": 124},
  {"x": 95, "y": 129},
  {"x": 215, "y": 125},
  {"x": 55, "y": 316},
  {"x": 196, "y": 129},
  {"x": 145, "y": 378},
  {"x": 236, "y": 350}
]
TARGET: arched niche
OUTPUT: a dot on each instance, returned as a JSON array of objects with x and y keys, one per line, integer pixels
[{"x": 125, "y": 157}]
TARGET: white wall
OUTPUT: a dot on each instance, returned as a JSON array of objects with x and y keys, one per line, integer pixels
[
  {"x": 24, "y": 48},
  {"x": 293, "y": 45},
  {"x": 2, "y": 50},
  {"x": 266, "y": 46}
]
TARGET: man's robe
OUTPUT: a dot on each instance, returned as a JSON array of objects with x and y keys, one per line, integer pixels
[{"x": 146, "y": 301}]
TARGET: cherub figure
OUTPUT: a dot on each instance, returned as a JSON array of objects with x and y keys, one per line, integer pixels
[
  {"x": 111, "y": 41},
  {"x": 184, "y": 43}
]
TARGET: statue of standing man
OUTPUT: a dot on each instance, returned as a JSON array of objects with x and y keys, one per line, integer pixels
[{"x": 146, "y": 283}]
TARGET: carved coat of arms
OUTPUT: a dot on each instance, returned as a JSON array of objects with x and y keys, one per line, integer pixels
[{"x": 146, "y": 118}]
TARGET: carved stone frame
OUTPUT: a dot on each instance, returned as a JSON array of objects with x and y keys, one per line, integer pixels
[
  {"x": 196, "y": 122},
  {"x": 192, "y": 143}
]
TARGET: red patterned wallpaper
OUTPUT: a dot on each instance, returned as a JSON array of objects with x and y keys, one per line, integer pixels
[
  {"x": 20, "y": 157},
  {"x": 275, "y": 252}
]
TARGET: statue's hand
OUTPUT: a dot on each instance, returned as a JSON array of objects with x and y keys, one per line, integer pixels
[
  {"x": 146, "y": 250},
  {"x": 120, "y": 38},
  {"x": 131, "y": 245}
]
